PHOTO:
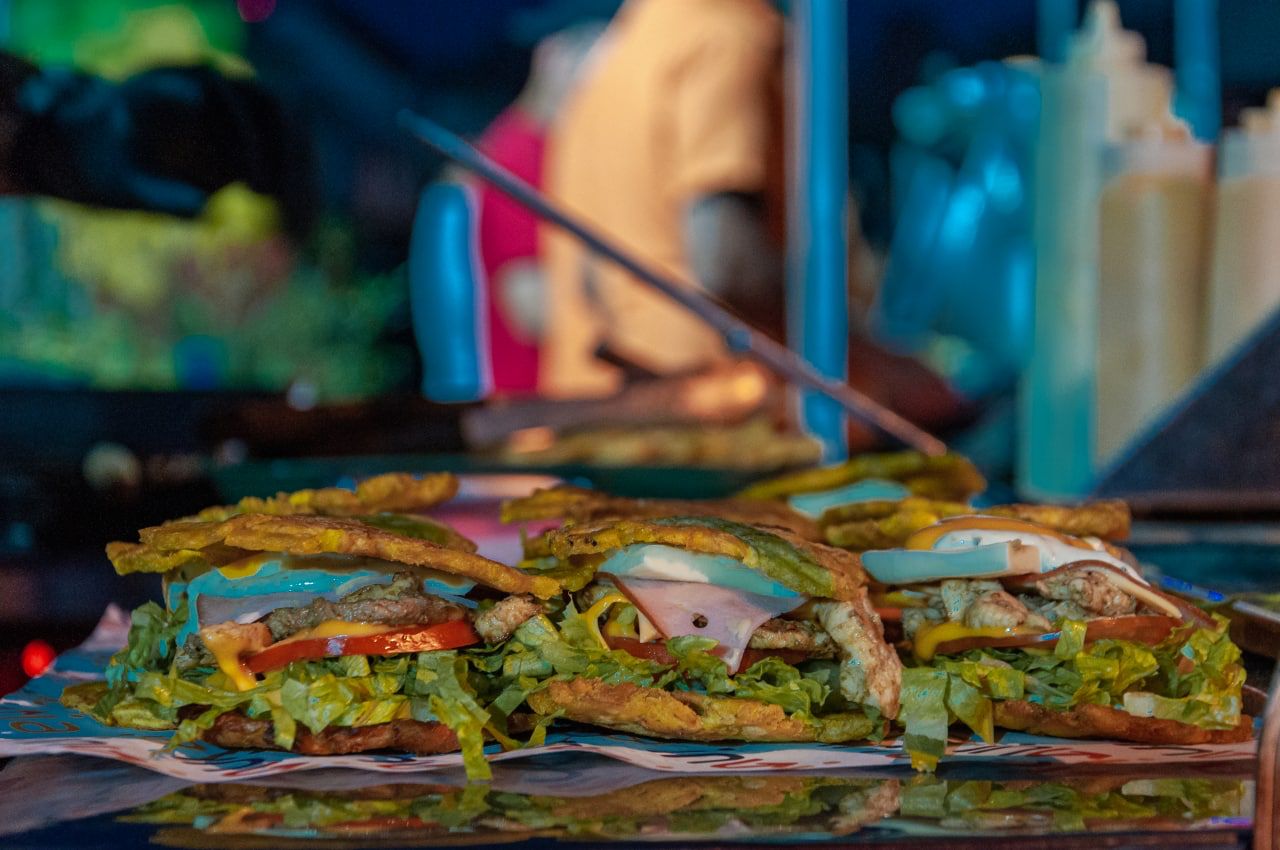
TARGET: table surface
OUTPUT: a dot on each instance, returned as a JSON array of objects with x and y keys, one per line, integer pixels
[{"x": 80, "y": 802}]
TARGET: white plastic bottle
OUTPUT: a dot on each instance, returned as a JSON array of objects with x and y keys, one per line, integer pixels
[
  {"x": 1244, "y": 282},
  {"x": 1153, "y": 235},
  {"x": 1104, "y": 87}
]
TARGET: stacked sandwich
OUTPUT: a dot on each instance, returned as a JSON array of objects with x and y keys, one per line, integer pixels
[
  {"x": 1031, "y": 617},
  {"x": 324, "y": 621},
  {"x": 332, "y": 621}
]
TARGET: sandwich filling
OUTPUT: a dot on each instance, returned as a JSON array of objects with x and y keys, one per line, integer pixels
[
  {"x": 317, "y": 634},
  {"x": 998, "y": 609},
  {"x": 696, "y": 605}
]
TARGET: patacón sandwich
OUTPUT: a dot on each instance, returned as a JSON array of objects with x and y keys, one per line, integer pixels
[{"x": 322, "y": 622}]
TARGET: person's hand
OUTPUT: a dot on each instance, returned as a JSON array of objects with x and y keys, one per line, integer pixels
[{"x": 163, "y": 140}]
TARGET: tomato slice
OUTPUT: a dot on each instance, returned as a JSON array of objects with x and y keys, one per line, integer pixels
[
  {"x": 657, "y": 651},
  {"x": 413, "y": 639},
  {"x": 1146, "y": 629}
]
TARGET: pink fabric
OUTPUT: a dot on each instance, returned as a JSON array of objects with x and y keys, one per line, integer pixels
[{"x": 508, "y": 232}]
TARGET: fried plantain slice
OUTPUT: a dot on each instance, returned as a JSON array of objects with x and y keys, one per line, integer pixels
[
  {"x": 689, "y": 716},
  {"x": 1102, "y": 721},
  {"x": 314, "y": 535},
  {"x": 139, "y": 558},
  {"x": 949, "y": 476},
  {"x": 881, "y": 508},
  {"x": 394, "y": 492},
  {"x": 806, "y": 567},
  {"x": 1108, "y": 519},
  {"x": 582, "y": 505},
  {"x": 885, "y": 524}
]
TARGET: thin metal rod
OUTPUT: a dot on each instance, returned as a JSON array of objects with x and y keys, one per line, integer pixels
[{"x": 739, "y": 336}]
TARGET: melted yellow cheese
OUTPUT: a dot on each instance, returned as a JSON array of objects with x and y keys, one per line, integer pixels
[
  {"x": 928, "y": 638},
  {"x": 342, "y": 628},
  {"x": 927, "y": 538},
  {"x": 228, "y": 646},
  {"x": 592, "y": 614},
  {"x": 898, "y": 599},
  {"x": 246, "y": 567}
]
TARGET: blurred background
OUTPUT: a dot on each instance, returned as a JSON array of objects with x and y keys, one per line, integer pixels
[{"x": 1044, "y": 231}]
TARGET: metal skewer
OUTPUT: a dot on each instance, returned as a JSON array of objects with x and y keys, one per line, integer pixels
[{"x": 738, "y": 335}]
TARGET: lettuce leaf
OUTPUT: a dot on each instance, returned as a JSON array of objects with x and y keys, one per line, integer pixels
[
  {"x": 772, "y": 680},
  {"x": 441, "y": 678},
  {"x": 151, "y": 646},
  {"x": 1201, "y": 681},
  {"x": 924, "y": 716},
  {"x": 1194, "y": 676},
  {"x": 540, "y": 651}
]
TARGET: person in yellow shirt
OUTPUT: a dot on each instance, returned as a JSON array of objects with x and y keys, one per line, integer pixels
[{"x": 671, "y": 144}]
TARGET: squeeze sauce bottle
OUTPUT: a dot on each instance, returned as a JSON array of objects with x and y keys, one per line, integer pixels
[
  {"x": 1244, "y": 282},
  {"x": 1153, "y": 233}
]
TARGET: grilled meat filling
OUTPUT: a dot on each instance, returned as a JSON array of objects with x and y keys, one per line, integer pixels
[
  {"x": 499, "y": 622},
  {"x": 400, "y": 603}
]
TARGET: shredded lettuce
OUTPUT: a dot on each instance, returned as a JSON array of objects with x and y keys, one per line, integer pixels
[
  {"x": 151, "y": 646},
  {"x": 1201, "y": 678},
  {"x": 441, "y": 678},
  {"x": 1194, "y": 676},
  {"x": 924, "y": 716},
  {"x": 540, "y": 651}
]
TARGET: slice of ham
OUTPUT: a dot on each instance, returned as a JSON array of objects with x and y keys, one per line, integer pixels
[{"x": 728, "y": 616}]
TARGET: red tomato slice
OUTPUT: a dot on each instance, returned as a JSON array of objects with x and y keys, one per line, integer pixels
[
  {"x": 414, "y": 639},
  {"x": 1145, "y": 629},
  {"x": 657, "y": 651}
]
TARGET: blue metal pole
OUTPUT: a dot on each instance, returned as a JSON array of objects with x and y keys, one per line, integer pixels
[
  {"x": 1198, "y": 98},
  {"x": 818, "y": 299}
]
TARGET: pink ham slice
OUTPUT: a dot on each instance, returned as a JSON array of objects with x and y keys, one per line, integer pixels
[{"x": 678, "y": 608}]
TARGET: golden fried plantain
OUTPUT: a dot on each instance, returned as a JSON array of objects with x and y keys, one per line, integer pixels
[
  {"x": 582, "y": 505},
  {"x": 393, "y": 492},
  {"x": 685, "y": 715},
  {"x": 1107, "y": 519},
  {"x": 314, "y": 535},
  {"x": 1101, "y": 721},
  {"x": 949, "y": 476},
  {"x": 752, "y": 445},
  {"x": 813, "y": 569},
  {"x": 885, "y": 524},
  {"x": 139, "y": 558}
]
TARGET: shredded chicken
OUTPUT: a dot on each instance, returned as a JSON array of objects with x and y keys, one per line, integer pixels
[
  {"x": 1090, "y": 590},
  {"x": 507, "y": 614},
  {"x": 1052, "y": 610},
  {"x": 915, "y": 618},
  {"x": 980, "y": 604},
  {"x": 958, "y": 594},
  {"x": 1001, "y": 609},
  {"x": 870, "y": 672}
]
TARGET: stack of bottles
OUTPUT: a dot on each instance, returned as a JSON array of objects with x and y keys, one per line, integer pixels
[{"x": 1146, "y": 272}]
